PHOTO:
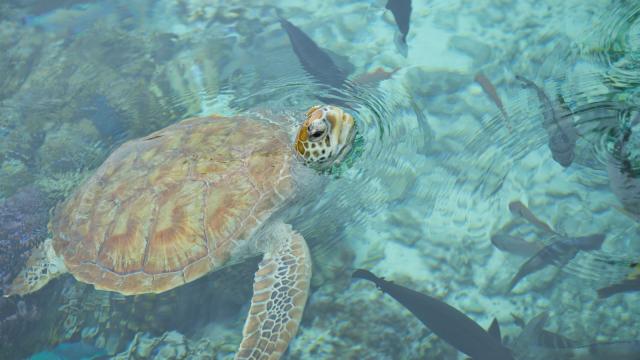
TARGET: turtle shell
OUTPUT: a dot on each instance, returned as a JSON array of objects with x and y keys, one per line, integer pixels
[{"x": 167, "y": 209}]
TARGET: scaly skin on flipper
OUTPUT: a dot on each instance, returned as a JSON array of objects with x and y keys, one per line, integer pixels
[{"x": 280, "y": 291}]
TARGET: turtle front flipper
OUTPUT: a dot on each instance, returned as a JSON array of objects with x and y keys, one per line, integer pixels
[
  {"x": 42, "y": 266},
  {"x": 280, "y": 291}
]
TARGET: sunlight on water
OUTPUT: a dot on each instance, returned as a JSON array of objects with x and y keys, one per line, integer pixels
[{"x": 494, "y": 167}]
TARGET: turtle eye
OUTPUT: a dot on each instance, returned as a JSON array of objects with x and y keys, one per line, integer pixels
[
  {"x": 317, "y": 130},
  {"x": 315, "y": 133}
]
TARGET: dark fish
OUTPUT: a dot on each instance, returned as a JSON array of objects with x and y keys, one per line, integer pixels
[
  {"x": 517, "y": 208},
  {"x": 515, "y": 245},
  {"x": 559, "y": 253},
  {"x": 543, "y": 337},
  {"x": 620, "y": 350},
  {"x": 563, "y": 135},
  {"x": 623, "y": 179},
  {"x": 492, "y": 93},
  {"x": 631, "y": 283},
  {"x": 518, "y": 320},
  {"x": 401, "y": 10},
  {"x": 586, "y": 243},
  {"x": 623, "y": 286},
  {"x": 374, "y": 78},
  {"x": 447, "y": 322},
  {"x": 314, "y": 60},
  {"x": 560, "y": 129},
  {"x": 534, "y": 339}
]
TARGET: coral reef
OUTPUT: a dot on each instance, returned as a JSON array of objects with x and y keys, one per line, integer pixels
[
  {"x": 71, "y": 147},
  {"x": 16, "y": 316},
  {"x": 14, "y": 174},
  {"x": 23, "y": 225},
  {"x": 22, "y": 50}
]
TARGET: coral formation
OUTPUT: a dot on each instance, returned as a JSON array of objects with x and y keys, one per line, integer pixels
[{"x": 23, "y": 225}]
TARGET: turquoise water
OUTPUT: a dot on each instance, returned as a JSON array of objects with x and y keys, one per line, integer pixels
[{"x": 434, "y": 176}]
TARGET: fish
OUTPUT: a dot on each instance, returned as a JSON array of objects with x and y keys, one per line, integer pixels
[
  {"x": 515, "y": 245},
  {"x": 560, "y": 129},
  {"x": 444, "y": 320},
  {"x": 492, "y": 93},
  {"x": 623, "y": 179},
  {"x": 563, "y": 135},
  {"x": 534, "y": 339},
  {"x": 619, "y": 350},
  {"x": 543, "y": 337},
  {"x": 517, "y": 208},
  {"x": 373, "y": 78},
  {"x": 558, "y": 253},
  {"x": 623, "y": 286},
  {"x": 631, "y": 283},
  {"x": 401, "y": 10},
  {"x": 314, "y": 60}
]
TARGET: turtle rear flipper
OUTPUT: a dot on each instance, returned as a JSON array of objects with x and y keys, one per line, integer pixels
[
  {"x": 280, "y": 291},
  {"x": 42, "y": 266}
]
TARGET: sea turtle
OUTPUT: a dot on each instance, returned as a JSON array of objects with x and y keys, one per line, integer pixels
[{"x": 198, "y": 195}]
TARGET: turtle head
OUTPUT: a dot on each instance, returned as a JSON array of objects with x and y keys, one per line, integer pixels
[{"x": 325, "y": 137}]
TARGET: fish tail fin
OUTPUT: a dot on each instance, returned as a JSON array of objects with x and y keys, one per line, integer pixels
[
  {"x": 401, "y": 44},
  {"x": 607, "y": 291},
  {"x": 368, "y": 275},
  {"x": 364, "y": 274},
  {"x": 494, "y": 330},
  {"x": 518, "y": 320},
  {"x": 513, "y": 283},
  {"x": 624, "y": 286},
  {"x": 278, "y": 13}
]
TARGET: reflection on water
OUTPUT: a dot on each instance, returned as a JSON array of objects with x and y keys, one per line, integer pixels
[{"x": 489, "y": 104}]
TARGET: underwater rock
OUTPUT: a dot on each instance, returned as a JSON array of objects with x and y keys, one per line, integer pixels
[
  {"x": 432, "y": 83},
  {"x": 21, "y": 51},
  {"x": 37, "y": 7},
  {"x": 190, "y": 79},
  {"x": 89, "y": 332},
  {"x": 23, "y": 224},
  {"x": 357, "y": 325},
  {"x": 110, "y": 321},
  {"x": 73, "y": 146},
  {"x": 15, "y": 317},
  {"x": 213, "y": 13},
  {"x": 104, "y": 117},
  {"x": 65, "y": 351},
  {"x": 58, "y": 186},
  {"x": 476, "y": 50},
  {"x": 331, "y": 264},
  {"x": 106, "y": 82},
  {"x": 409, "y": 225},
  {"x": 170, "y": 345},
  {"x": 13, "y": 174}
]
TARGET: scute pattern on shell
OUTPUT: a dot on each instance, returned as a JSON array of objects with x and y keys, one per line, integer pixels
[{"x": 169, "y": 208}]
